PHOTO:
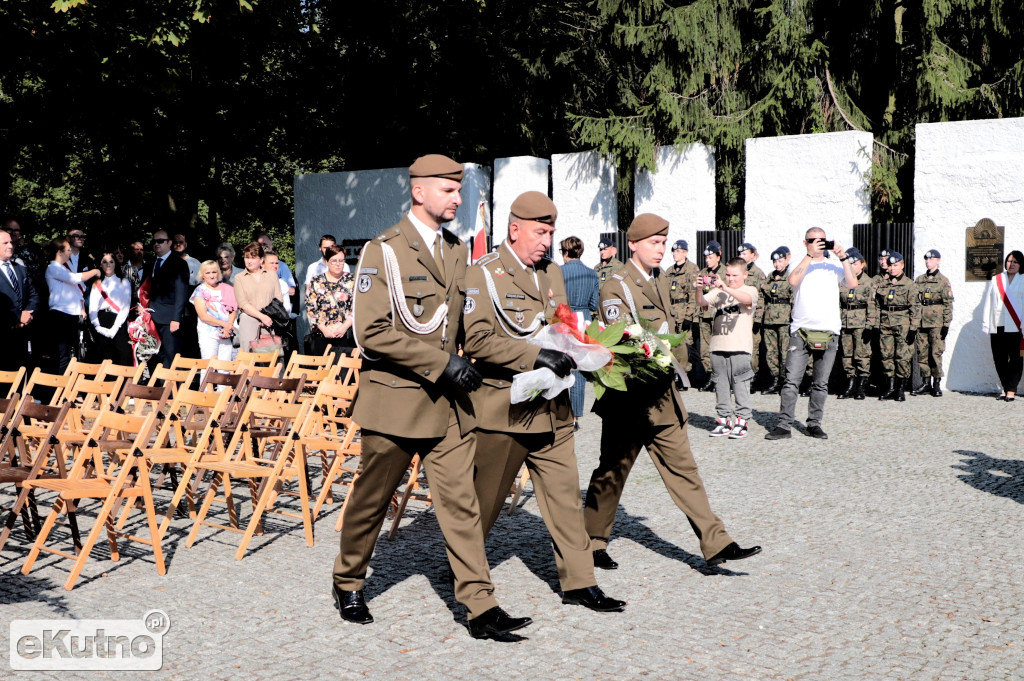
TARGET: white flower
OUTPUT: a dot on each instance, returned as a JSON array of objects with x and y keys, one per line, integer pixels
[
  {"x": 634, "y": 331},
  {"x": 662, "y": 360}
]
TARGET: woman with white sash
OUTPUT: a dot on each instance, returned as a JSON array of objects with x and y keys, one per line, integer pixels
[{"x": 1001, "y": 318}]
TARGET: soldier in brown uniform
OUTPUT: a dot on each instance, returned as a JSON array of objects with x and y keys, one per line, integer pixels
[
  {"x": 413, "y": 396},
  {"x": 936, "y": 294},
  {"x": 681, "y": 276},
  {"x": 510, "y": 295},
  {"x": 899, "y": 315},
  {"x": 755, "y": 277},
  {"x": 706, "y": 315},
  {"x": 859, "y": 316},
  {"x": 648, "y": 414},
  {"x": 609, "y": 263},
  {"x": 776, "y": 314}
]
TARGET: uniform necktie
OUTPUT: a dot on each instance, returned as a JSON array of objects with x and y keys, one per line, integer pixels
[
  {"x": 437, "y": 253},
  {"x": 12, "y": 275},
  {"x": 156, "y": 265}
]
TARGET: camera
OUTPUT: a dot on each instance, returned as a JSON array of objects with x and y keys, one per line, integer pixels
[{"x": 829, "y": 245}]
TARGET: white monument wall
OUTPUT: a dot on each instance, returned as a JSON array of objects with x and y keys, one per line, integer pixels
[
  {"x": 584, "y": 191},
  {"x": 681, "y": 189},
  {"x": 797, "y": 182},
  {"x": 964, "y": 172},
  {"x": 512, "y": 177}
]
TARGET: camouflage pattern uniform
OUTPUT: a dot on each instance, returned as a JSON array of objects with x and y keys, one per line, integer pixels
[
  {"x": 755, "y": 277},
  {"x": 681, "y": 279},
  {"x": 859, "y": 314},
  {"x": 899, "y": 313},
  {"x": 706, "y": 317},
  {"x": 936, "y": 296},
  {"x": 605, "y": 269},
  {"x": 776, "y": 313}
]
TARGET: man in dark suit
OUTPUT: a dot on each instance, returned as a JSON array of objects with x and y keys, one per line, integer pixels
[
  {"x": 167, "y": 279},
  {"x": 18, "y": 303}
]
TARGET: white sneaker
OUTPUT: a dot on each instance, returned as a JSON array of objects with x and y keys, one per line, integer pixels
[
  {"x": 722, "y": 428},
  {"x": 739, "y": 430}
]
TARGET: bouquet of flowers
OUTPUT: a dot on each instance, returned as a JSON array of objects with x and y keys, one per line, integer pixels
[{"x": 606, "y": 355}]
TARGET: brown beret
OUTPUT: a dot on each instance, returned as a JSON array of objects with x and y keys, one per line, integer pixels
[
  {"x": 645, "y": 225},
  {"x": 436, "y": 165},
  {"x": 534, "y": 206}
]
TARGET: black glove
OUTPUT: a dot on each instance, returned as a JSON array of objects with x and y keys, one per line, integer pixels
[
  {"x": 944, "y": 332},
  {"x": 757, "y": 328},
  {"x": 559, "y": 362},
  {"x": 462, "y": 373},
  {"x": 911, "y": 337}
]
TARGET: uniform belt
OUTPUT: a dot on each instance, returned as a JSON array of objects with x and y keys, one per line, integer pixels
[
  {"x": 776, "y": 299},
  {"x": 895, "y": 308},
  {"x": 932, "y": 302},
  {"x": 676, "y": 301},
  {"x": 856, "y": 306}
]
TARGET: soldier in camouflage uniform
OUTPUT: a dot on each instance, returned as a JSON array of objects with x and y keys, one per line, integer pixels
[
  {"x": 859, "y": 317},
  {"x": 899, "y": 315},
  {"x": 755, "y": 277},
  {"x": 777, "y": 312},
  {"x": 681, "y": 277},
  {"x": 609, "y": 263},
  {"x": 936, "y": 295},
  {"x": 706, "y": 315},
  {"x": 876, "y": 348}
]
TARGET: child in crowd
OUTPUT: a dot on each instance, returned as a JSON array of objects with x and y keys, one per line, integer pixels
[{"x": 731, "y": 345}]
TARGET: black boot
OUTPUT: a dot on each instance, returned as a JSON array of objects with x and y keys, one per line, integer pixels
[
  {"x": 775, "y": 388},
  {"x": 851, "y": 382},
  {"x": 925, "y": 387},
  {"x": 899, "y": 396},
  {"x": 936, "y": 390},
  {"x": 858, "y": 388},
  {"x": 805, "y": 387},
  {"x": 891, "y": 392},
  {"x": 709, "y": 387}
]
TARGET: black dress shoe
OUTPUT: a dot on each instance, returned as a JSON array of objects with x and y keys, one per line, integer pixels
[
  {"x": 351, "y": 606},
  {"x": 495, "y": 622},
  {"x": 604, "y": 561},
  {"x": 777, "y": 434},
  {"x": 732, "y": 552},
  {"x": 592, "y": 597},
  {"x": 816, "y": 431}
]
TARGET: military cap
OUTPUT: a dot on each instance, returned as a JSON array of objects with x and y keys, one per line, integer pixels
[
  {"x": 534, "y": 206},
  {"x": 780, "y": 253},
  {"x": 713, "y": 248},
  {"x": 854, "y": 254},
  {"x": 746, "y": 246},
  {"x": 646, "y": 225},
  {"x": 436, "y": 165},
  {"x": 895, "y": 257},
  {"x": 681, "y": 245},
  {"x": 932, "y": 254},
  {"x": 884, "y": 253},
  {"x": 603, "y": 244}
]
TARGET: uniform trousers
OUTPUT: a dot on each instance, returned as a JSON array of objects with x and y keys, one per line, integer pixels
[
  {"x": 1006, "y": 356},
  {"x": 896, "y": 352},
  {"x": 705, "y": 343},
  {"x": 669, "y": 449},
  {"x": 685, "y": 350},
  {"x": 930, "y": 347},
  {"x": 856, "y": 353},
  {"x": 796, "y": 363},
  {"x": 551, "y": 460},
  {"x": 448, "y": 463},
  {"x": 776, "y": 345}
]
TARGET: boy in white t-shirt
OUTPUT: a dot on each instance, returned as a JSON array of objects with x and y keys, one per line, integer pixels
[{"x": 732, "y": 344}]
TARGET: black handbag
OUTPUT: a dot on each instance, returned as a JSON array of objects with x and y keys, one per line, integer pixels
[{"x": 278, "y": 315}]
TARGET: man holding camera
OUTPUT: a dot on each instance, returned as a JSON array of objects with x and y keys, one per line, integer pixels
[{"x": 815, "y": 329}]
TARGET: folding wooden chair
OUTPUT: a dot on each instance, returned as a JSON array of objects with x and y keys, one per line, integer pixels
[
  {"x": 331, "y": 433},
  {"x": 127, "y": 374},
  {"x": 139, "y": 400},
  {"x": 32, "y": 458},
  {"x": 260, "y": 359},
  {"x": 178, "y": 378},
  {"x": 13, "y": 380},
  {"x": 48, "y": 388},
  {"x": 313, "y": 376},
  {"x": 77, "y": 368},
  {"x": 414, "y": 488},
  {"x": 279, "y": 461},
  {"x": 118, "y": 475}
]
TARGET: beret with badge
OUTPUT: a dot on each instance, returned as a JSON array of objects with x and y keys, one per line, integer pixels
[
  {"x": 895, "y": 257},
  {"x": 932, "y": 254},
  {"x": 603, "y": 244},
  {"x": 535, "y": 206},
  {"x": 746, "y": 246},
  {"x": 645, "y": 226},
  {"x": 713, "y": 248},
  {"x": 436, "y": 165},
  {"x": 780, "y": 253},
  {"x": 854, "y": 254},
  {"x": 681, "y": 245}
]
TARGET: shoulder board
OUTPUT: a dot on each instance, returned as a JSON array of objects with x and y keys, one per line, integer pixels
[
  {"x": 389, "y": 234},
  {"x": 486, "y": 259}
]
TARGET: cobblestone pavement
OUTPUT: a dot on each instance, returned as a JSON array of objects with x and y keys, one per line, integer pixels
[{"x": 891, "y": 551}]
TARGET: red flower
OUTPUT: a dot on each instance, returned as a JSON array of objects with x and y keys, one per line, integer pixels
[{"x": 647, "y": 350}]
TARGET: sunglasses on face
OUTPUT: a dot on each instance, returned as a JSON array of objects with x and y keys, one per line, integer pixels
[
  {"x": 160, "y": 241},
  {"x": 77, "y": 236}
]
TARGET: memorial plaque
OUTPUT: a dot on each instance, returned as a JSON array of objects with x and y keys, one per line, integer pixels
[{"x": 984, "y": 251}]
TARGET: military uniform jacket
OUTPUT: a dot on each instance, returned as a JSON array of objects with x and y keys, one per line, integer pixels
[
  {"x": 857, "y": 308},
  {"x": 755, "y": 277},
  {"x": 936, "y": 295},
  {"x": 897, "y": 302},
  {"x": 709, "y": 314},
  {"x": 680, "y": 290},
  {"x": 776, "y": 299},
  {"x": 398, "y": 391},
  {"x": 501, "y": 351},
  {"x": 604, "y": 270},
  {"x": 656, "y": 402}
]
